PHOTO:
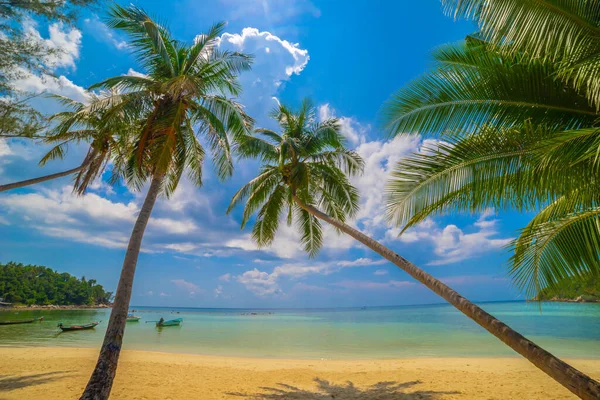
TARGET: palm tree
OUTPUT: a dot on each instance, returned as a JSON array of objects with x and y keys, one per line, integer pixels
[
  {"x": 305, "y": 175},
  {"x": 517, "y": 106},
  {"x": 74, "y": 126},
  {"x": 185, "y": 89}
]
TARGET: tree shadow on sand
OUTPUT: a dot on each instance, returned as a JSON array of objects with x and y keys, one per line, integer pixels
[
  {"x": 327, "y": 391},
  {"x": 12, "y": 382}
]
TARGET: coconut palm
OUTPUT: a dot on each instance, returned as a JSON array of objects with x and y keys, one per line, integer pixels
[
  {"x": 517, "y": 106},
  {"x": 74, "y": 126},
  {"x": 305, "y": 175},
  {"x": 182, "y": 94}
]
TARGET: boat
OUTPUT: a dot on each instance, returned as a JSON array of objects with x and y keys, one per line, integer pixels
[
  {"x": 65, "y": 328},
  {"x": 133, "y": 318},
  {"x": 22, "y": 321},
  {"x": 171, "y": 322}
]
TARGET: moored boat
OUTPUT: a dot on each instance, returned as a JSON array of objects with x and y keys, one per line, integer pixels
[
  {"x": 65, "y": 328},
  {"x": 171, "y": 322},
  {"x": 22, "y": 321},
  {"x": 133, "y": 318}
]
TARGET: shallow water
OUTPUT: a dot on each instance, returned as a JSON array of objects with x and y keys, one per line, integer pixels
[{"x": 565, "y": 329}]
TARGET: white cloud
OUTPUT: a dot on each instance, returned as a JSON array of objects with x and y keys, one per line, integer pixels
[
  {"x": 61, "y": 206},
  {"x": 169, "y": 225},
  {"x": 452, "y": 244},
  {"x": 114, "y": 240},
  {"x": 380, "y": 158},
  {"x": 460, "y": 280},
  {"x": 270, "y": 69},
  {"x": 380, "y": 272},
  {"x": 132, "y": 72},
  {"x": 163, "y": 294},
  {"x": 251, "y": 39},
  {"x": 369, "y": 285},
  {"x": 187, "y": 286},
  {"x": 263, "y": 283},
  {"x": 259, "y": 282},
  {"x": 361, "y": 262},
  {"x": 65, "y": 41},
  {"x": 350, "y": 127},
  {"x": 5, "y": 149},
  {"x": 225, "y": 277},
  {"x": 103, "y": 33},
  {"x": 61, "y": 85},
  {"x": 219, "y": 293},
  {"x": 95, "y": 220}
]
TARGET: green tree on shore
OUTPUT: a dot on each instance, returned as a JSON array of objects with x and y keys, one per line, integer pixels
[
  {"x": 182, "y": 94},
  {"x": 32, "y": 284},
  {"x": 304, "y": 176}
]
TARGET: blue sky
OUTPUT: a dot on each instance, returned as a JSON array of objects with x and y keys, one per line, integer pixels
[{"x": 348, "y": 57}]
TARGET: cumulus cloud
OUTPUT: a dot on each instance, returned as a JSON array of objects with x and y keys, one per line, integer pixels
[
  {"x": 225, "y": 277},
  {"x": 65, "y": 42},
  {"x": 352, "y": 130},
  {"x": 260, "y": 282},
  {"x": 275, "y": 61},
  {"x": 61, "y": 85},
  {"x": 452, "y": 244},
  {"x": 380, "y": 158}
]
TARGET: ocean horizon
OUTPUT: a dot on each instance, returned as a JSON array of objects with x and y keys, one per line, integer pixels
[{"x": 568, "y": 330}]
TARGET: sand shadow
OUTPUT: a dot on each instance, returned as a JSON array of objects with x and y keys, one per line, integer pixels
[
  {"x": 327, "y": 391},
  {"x": 12, "y": 382}
]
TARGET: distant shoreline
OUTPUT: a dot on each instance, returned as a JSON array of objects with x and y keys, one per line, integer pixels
[{"x": 54, "y": 307}]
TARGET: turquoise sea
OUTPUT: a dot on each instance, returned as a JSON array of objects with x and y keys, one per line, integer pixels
[{"x": 565, "y": 329}]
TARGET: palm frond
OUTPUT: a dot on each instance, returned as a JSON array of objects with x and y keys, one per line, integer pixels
[
  {"x": 482, "y": 86},
  {"x": 556, "y": 250},
  {"x": 267, "y": 221}
]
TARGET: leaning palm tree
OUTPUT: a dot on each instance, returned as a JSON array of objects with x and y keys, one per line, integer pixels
[
  {"x": 182, "y": 94},
  {"x": 74, "y": 126},
  {"x": 517, "y": 105},
  {"x": 305, "y": 176}
]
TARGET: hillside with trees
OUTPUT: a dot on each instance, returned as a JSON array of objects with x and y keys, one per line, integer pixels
[
  {"x": 574, "y": 289},
  {"x": 33, "y": 284}
]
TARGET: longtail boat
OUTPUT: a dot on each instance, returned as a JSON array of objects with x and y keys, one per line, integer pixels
[
  {"x": 133, "y": 318},
  {"x": 171, "y": 322},
  {"x": 22, "y": 321},
  {"x": 65, "y": 328}
]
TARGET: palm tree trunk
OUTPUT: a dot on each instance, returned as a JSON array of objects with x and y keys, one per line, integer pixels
[
  {"x": 574, "y": 380},
  {"x": 100, "y": 383},
  {"x": 45, "y": 178},
  {"x": 86, "y": 161}
]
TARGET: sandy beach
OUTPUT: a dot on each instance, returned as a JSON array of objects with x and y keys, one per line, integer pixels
[{"x": 35, "y": 373}]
